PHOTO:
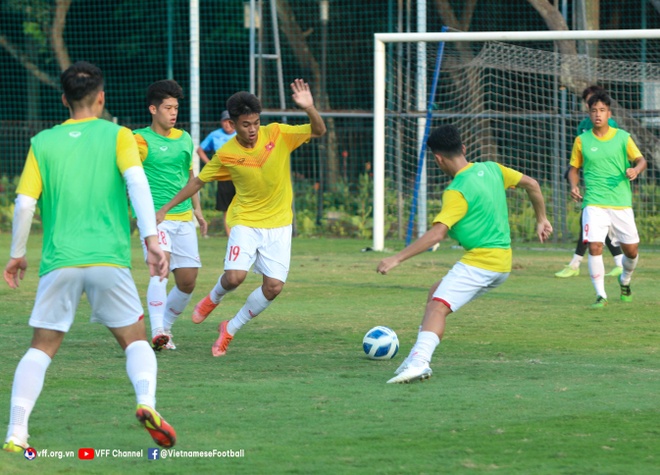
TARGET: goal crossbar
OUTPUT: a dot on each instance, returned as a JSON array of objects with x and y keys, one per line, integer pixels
[{"x": 380, "y": 39}]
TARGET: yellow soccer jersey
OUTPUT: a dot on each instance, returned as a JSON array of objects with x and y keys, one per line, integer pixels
[
  {"x": 30, "y": 183},
  {"x": 454, "y": 208},
  {"x": 261, "y": 175}
]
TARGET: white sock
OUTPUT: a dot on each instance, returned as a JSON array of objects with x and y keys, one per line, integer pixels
[
  {"x": 423, "y": 350},
  {"x": 618, "y": 260},
  {"x": 28, "y": 382},
  {"x": 218, "y": 292},
  {"x": 628, "y": 268},
  {"x": 597, "y": 272},
  {"x": 254, "y": 305},
  {"x": 176, "y": 304},
  {"x": 576, "y": 261},
  {"x": 142, "y": 369},
  {"x": 156, "y": 298}
]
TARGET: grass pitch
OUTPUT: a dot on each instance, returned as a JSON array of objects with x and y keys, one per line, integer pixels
[{"x": 528, "y": 379}]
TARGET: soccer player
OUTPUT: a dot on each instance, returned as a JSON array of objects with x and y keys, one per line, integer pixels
[
  {"x": 166, "y": 154},
  {"x": 80, "y": 170},
  {"x": 258, "y": 160},
  {"x": 474, "y": 212},
  {"x": 572, "y": 269},
  {"x": 605, "y": 154}
]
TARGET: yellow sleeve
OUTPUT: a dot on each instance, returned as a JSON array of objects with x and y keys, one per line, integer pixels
[
  {"x": 143, "y": 148},
  {"x": 454, "y": 207},
  {"x": 214, "y": 171},
  {"x": 632, "y": 150},
  {"x": 576, "y": 154},
  {"x": 30, "y": 183},
  {"x": 511, "y": 177},
  {"x": 128, "y": 154}
]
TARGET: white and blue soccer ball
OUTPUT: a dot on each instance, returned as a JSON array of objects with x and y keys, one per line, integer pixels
[{"x": 380, "y": 343}]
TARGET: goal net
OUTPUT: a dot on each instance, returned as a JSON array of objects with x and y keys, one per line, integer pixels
[{"x": 515, "y": 102}]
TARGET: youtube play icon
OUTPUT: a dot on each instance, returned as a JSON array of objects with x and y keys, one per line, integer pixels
[{"x": 85, "y": 454}]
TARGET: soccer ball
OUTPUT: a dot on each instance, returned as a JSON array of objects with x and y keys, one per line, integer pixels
[{"x": 380, "y": 343}]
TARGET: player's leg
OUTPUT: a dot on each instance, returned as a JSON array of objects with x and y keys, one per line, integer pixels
[
  {"x": 116, "y": 304},
  {"x": 597, "y": 273},
  {"x": 272, "y": 261},
  {"x": 617, "y": 255},
  {"x": 624, "y": 232},
  {"x": 184, "y": 263},
  {"x": 28, "y": 383},
  {"x": 596, "y": 228},
  {"x": 58, "y": 294},
  {"x": 573, "y": 267},
  {"x": 241, "y": 254},
  {"x": 257, "y": 302},
  {"x": 157, "y": 290},
  {"x": 142, "y": 370},
  {"x": 178, "y": 299},
  {"x": 462, "y": 284}
]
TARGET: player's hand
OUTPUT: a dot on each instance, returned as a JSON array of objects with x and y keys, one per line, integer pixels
[
  {"x": 160, "y": 216},
  {"x": 302, "y": 96},
  {"x": 203, "y": 225},
  {"x": 575, "y": 194},
  {"x": 543, "y": 230},
  {"x": 15, "y": 271},
  {"x": 631, "y": 173},
  {"x": 156, "y": 259},
  {"x": 387, "y": 264}
]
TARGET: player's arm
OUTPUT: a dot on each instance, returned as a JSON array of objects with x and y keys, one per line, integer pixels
[
  {"x": 212, "y": 171},
  {"x": 635, "y": 156},
  {"x": 429, "y": 239},
  {"x": 130, "y": 166},
  {"x": 302, "y": 96},
  {"x": 197, "y": 209},
  {"x": 573, "y": 175},
  {"x": 531, "y": 186},
  {"x": 24, "y": 208},
  {"x": 515, "y": 179},
  {"x": 202, "y": 155},
  {"x": 454, "y": 208},
  {"x": 28, "y": 191},
  {"x": 192, "y": 188}
]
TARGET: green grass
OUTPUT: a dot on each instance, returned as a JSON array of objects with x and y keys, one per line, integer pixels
[{"x": 528, "y": 379}]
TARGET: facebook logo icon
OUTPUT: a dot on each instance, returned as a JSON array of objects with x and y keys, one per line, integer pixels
[{"x": 153, "y": 454}]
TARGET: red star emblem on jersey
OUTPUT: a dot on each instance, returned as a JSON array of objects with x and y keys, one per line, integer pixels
[{"x": 270, "y": 146}]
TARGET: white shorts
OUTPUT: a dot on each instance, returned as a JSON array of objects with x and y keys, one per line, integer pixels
[
  {"x": 179, "y": 239},
  {"x": 464, "y": 283},
  {"x": 268, "y": 249},
  {"x": 110, "y": 290},
  {"x": 618, "y": 223}
]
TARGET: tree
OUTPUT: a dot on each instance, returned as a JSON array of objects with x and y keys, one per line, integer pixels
[
  {"x": 43, "y": 26},
  {"x": 304, "y": 55}
]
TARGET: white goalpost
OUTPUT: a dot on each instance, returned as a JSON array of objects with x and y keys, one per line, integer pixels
[{"x": 516, "y": 100}]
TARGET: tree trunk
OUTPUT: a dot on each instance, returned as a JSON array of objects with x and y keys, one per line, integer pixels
[
  {"x": 57, "y": 34},
  {"x": 301, "y": 50},
  {"x": 28, "y": 64}
]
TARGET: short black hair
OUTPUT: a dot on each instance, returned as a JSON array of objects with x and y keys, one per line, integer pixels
[
  {"x": 445, "y": 140},
  {"x": 243, "y": 103},
  {"x": 594, "y": 88},
  {"x": 161, "y": 90},
  {"x": 80, "y": 81},
  {"x": 600, "y": 96}
]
